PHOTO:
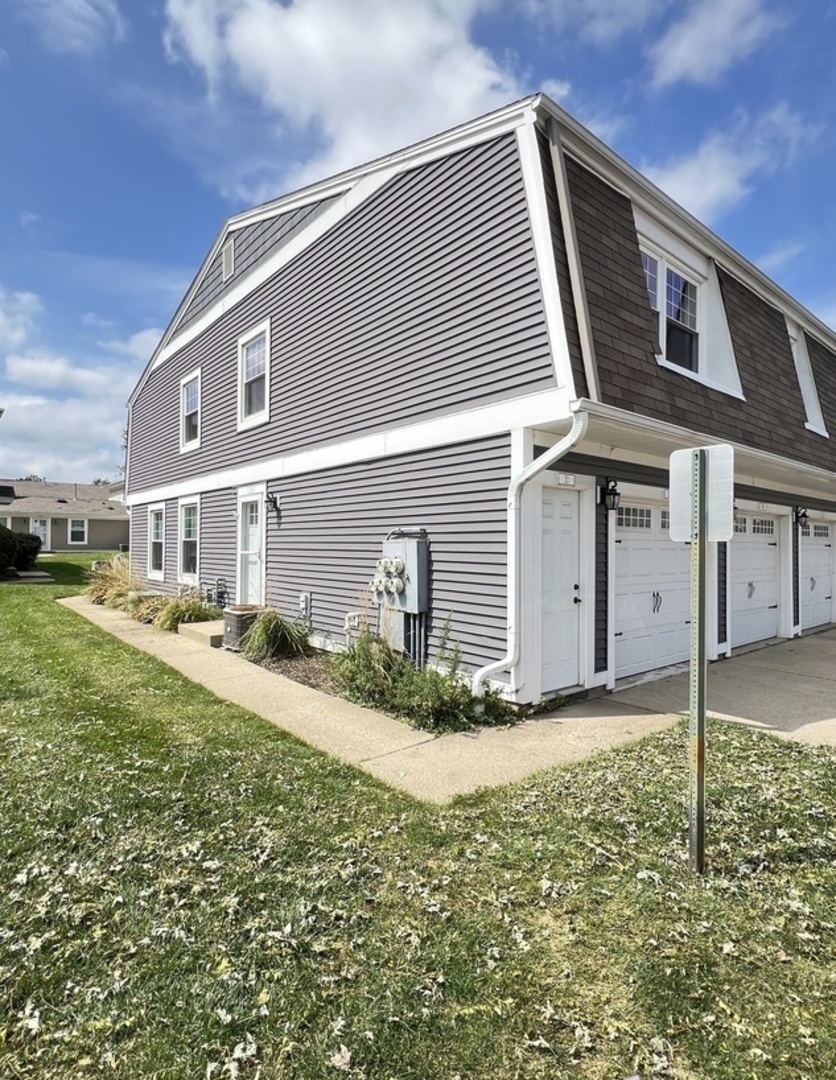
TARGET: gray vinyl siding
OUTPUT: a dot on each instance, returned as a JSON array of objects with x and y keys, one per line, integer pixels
[
  {"x": 218, "y": 539},
  {"x": 423, "y": 301},
  {"x": 103, "y": 535},
  {"x": 139, "y": 544},
  {"x": 253, "y": 244},
  {"x": 332, "y": 524}
]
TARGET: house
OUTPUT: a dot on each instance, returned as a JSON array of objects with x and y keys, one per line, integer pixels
[
  {"x": 67, "y": 517},
  {"x": 450, "y": 355}
]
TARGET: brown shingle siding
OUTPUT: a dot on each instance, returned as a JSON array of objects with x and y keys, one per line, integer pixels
[{"x": 771, "y": 418}]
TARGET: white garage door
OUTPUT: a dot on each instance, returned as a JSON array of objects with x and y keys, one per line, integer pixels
[
  {"x": 816, "y": 574},
  {"x": 753, "y": 554},
  {"x": 652, "y": 592}
]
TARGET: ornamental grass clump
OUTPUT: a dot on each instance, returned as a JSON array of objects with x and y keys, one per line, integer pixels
[
  {"x": 271, "y": 635},
  {"x": 111, "y": 582},
  {"x": 185, "y": 610}
]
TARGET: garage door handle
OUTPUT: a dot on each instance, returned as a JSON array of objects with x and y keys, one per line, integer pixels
[
  {"x": 812, "y": 583},
  {"x": 773, "y": 607},
  {"x": 751, "y": 590},
  {"x": 576, "y": 599}
]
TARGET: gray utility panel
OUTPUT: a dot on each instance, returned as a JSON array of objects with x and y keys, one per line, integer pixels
[{"x": 400, "y": 579}]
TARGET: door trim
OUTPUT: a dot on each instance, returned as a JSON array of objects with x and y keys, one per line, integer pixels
[{"x": 251, "y": 493}]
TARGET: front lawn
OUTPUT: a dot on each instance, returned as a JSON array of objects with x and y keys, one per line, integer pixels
[{"x": 186, "y": 892}]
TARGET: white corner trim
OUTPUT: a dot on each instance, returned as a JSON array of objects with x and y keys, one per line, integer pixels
[
  {"x": 529, "y": 411},
  {"x": 538, "y": 213}
]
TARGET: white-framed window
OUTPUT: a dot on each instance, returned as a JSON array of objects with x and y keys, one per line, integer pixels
[
  {"x": 763, "y": 526},
  {"x": 674, "y": 297},
  {"x": 821, "y": 532},
  {"x": 190, "y": 411},
  {"x": 77, "y": 531},
  {"x": 7, "y": 521},
  {"x": 156, "y": 542},
  {"x": 634, "y": 517},
  {"x": 741, "y": 524},
  {"x": 188, "y": 554},
  {"x": 254, "y": 376}
]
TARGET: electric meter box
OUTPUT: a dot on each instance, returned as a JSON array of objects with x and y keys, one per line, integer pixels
[{"x": 401, "y": 576}]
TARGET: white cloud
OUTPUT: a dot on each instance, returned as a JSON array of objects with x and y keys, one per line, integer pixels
[
  {"x": 42, "y": 370},
  {"x": 713, "y": 35},
  {"x": 153, "y": 283},
  {"x": 76, "y": 26},
  {"x": 139, "y": 345},
  {"x": 780, "y": 256},
  {"x": 90, "y": 318},
  {"x": 720, "y": 173},
  {"x": 18, "y": 311},
  {"x": 27, "y": 218},
  {"x": 356, "y": 80},
  {"x": 600, "y": 21}
]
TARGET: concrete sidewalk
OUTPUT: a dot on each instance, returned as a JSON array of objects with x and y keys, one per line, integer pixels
[{"x": 430, "y": 767}]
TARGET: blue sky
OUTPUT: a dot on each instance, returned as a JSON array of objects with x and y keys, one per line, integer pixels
[{"x": 130, "y": 130}]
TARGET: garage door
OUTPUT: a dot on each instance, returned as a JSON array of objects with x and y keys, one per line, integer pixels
[
  {"x": 652, "y": 592},
  {"x": 754, "y": 579},
  {"x": 816, "y": 574}
]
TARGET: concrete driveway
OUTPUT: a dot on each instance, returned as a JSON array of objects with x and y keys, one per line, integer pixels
[{"x": 788, "y": 687}]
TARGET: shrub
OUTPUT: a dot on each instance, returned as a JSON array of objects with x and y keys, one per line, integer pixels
[
  {"x": 28, "y": 549},
  {"x": 111, "y": 582},
  {"x": 372, "y": 673},
  {"x": 185, "y": 610},
  {"x": 272, "y": 635},
  {"x": 8, "y": 549}
]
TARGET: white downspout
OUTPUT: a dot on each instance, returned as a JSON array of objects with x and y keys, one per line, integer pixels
[{"x": 580, "y": 422}]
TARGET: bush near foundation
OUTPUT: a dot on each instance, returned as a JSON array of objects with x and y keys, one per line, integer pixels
[
  {"x": 272, "y": 635},
  {"x": 8, "y": 550},
  {"x": 28, "y": 549},
  {"x": 372, "y": 673},
  {"x": 185, "y": 610}
]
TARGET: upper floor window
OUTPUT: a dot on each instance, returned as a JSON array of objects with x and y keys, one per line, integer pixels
[
  {"x": 254, "y": 377},
  {"x": 77, "y": 531},
  {"x": 679, "y": 331},
  {"x": 190, "y": 411}
]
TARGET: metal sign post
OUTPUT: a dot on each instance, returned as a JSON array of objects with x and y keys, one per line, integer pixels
[
  {"x": 699, "y": 667},
  {"x": 701, "y": 511}
]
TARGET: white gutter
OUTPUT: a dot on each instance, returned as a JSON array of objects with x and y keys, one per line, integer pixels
[{"x": 580, "y": 422}]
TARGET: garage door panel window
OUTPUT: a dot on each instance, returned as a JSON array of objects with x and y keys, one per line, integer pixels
[
  {"x": 741, "y": 525},
  {"x": 821, "y": 532},
  {"x": 634, "y": 517},
  {"x": 763, "y": 526}
]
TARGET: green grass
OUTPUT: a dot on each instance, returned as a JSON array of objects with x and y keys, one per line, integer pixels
[{"x": 186, "y": 892}]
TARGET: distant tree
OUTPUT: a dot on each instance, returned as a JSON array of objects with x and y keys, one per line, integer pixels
[
  {"x": 101, "y": 481},
  {"x": 33, "y": 478}
]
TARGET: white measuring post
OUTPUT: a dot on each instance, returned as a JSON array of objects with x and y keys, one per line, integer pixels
[{"x": 702, "y": 511}]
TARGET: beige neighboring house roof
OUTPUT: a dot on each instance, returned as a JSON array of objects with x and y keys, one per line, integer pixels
[{"x": 37, "y": 499}]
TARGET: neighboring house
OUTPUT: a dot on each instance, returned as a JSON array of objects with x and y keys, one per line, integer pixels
[
  {"x": 67, "y": 517},
  {"x": 397, "y": 346}
]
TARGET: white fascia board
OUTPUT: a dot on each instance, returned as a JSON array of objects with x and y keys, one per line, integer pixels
[
  {"x": 687, "y": 437},
  {"x": 538, "y": 212},
  {"x": 504, "y": 416},
  {"x": 592, "y": 152}
]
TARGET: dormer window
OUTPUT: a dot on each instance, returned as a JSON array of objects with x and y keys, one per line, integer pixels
[{"x": 679, "y": 331}]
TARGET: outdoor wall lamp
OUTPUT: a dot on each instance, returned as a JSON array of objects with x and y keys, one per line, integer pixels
[
  {"x": 273, "y": 502},
  {"x": 610, "y": 495},
  {"x": 800, "y": 516}
]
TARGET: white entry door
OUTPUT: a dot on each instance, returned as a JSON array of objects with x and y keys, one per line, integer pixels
[
  {"x": 250, "y": 549},
  {"x": 816, "y": 574},
  {"x": 561, "y": 599},
  {"x": 753, "y": 553},
  {"x": 652, "y": 591},
  {"x": 40, "y": 527}
]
